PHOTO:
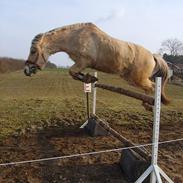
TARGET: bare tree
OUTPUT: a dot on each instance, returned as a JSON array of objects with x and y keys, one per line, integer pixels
[{"x": 172, "y": 46}]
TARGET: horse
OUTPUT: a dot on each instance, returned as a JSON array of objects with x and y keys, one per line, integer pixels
[{"x": 89, "y": 47}]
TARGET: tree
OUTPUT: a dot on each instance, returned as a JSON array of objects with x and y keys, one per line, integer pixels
[
  {"x": 172, "y": 47},
  {"x": 178, "y": 59}
]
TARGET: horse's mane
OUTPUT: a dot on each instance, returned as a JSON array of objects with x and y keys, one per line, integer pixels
[
  {"x": 36, "y": 40},
  {"x": 69, "y": 27},
  {"x": 38, "y": 37}
]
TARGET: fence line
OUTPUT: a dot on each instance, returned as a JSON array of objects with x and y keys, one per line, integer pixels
[{"x": 87, "y": 154}]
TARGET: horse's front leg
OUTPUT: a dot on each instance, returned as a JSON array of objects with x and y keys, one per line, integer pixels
[
  {"x": 147, "y": 106},
  {"x": 75, "y": 72}
]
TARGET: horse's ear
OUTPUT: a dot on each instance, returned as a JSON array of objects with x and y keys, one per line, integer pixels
[{"x": 38, "y": 36}]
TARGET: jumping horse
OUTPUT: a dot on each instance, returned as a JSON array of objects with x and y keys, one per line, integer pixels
[{"x": 90, "y": 47}]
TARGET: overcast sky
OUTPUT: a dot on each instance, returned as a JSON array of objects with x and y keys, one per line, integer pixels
[{"x": 146, "y": 22}]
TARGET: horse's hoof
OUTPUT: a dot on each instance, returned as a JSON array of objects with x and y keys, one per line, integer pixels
[
  {"x": 148, "y": 107},
  {"x": 93, "y": 79},
  {"x": 89, "y": 79}
]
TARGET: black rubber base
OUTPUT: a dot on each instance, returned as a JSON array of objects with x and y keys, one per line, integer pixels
[
  {"x": 133, "y": 166},
  {"x": 93, "y": 129}
]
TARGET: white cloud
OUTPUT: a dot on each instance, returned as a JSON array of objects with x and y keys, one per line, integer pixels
[{"x": 115, "y": 14}]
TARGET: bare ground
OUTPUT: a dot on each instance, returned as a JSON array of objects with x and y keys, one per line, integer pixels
[{"x": 59, "y": 141}]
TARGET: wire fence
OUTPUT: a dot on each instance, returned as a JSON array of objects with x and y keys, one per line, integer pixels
[{"x": 86, "y": 154}]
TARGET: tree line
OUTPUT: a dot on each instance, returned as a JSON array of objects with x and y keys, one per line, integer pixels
[
  {"x": 12, "y": 64},
  {"x": 172, "y": 51}
]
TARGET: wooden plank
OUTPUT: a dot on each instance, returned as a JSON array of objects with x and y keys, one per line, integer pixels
[
  {"x": 136, "y": 95},
  {"x": 125, "y": 141}
]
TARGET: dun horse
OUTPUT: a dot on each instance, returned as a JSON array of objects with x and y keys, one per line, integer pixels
[{"x": 90, "y": 47}]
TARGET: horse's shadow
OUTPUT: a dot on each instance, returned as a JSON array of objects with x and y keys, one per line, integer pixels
[
  {"x": 52, "y": 142},
  {"x": 45, "y": 136},
  {"x": 52, "y": 172},
  {"x": 63, "y": 132}
]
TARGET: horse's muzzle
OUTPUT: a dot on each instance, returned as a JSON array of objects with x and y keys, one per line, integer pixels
[{"x": 29, "y": 70}]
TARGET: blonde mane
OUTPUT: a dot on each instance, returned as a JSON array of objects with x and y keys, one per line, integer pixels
[
  {"x": 69, "y": 27},
  {"x": 37, "y": 39}
]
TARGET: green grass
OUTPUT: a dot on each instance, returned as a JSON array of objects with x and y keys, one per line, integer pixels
[{"x": 52, "y": 97}]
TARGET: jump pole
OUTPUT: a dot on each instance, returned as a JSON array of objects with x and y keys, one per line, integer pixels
[
  {"x": 94, "y": 95},
  {"x": 155, "y": 171},
  {"x": 87, "y": 90},
  {"x": 139, "y": 96},
  {"x": 109, "y": 129}
]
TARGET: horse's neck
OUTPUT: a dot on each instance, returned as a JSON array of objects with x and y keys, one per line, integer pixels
[{"x": 56, "y": 42}]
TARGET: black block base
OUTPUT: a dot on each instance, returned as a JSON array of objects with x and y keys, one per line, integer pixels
[
  {"x": 94, "y": 129},
  {"x": 133, "y": 166}
]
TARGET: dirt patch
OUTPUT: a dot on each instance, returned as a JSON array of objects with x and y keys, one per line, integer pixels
[{"x": 59, "y": 141}]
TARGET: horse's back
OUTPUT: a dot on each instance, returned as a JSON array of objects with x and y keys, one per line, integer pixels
[{"x": 109, "y": 54}]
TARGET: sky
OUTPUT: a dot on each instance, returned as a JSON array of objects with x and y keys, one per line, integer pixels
[{"x": 145, "y": 22}]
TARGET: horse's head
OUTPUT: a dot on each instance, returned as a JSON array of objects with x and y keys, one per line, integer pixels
[{"x": 36, "y": 59}]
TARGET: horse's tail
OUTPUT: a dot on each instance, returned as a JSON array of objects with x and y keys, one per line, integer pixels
[{"x": 161, "y": 70}]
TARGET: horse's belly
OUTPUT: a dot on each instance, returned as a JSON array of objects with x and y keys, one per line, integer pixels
[{"x": 108, "y": 66}]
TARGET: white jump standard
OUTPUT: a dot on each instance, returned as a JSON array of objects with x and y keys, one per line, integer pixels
[{"x": 154, "y": 169}]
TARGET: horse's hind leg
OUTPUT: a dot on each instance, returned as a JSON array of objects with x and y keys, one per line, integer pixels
[{"x": 148, "y": 86}]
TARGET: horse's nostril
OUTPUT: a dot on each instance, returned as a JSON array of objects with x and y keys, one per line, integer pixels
[{"x": 25, "y": 72}]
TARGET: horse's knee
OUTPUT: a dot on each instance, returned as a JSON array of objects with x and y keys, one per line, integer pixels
[
  {"x": 75, "y": 69},
  {"x": 73, "y": 73}
]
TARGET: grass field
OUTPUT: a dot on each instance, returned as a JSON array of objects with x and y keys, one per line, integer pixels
[{"x": 52, "y": 97}]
